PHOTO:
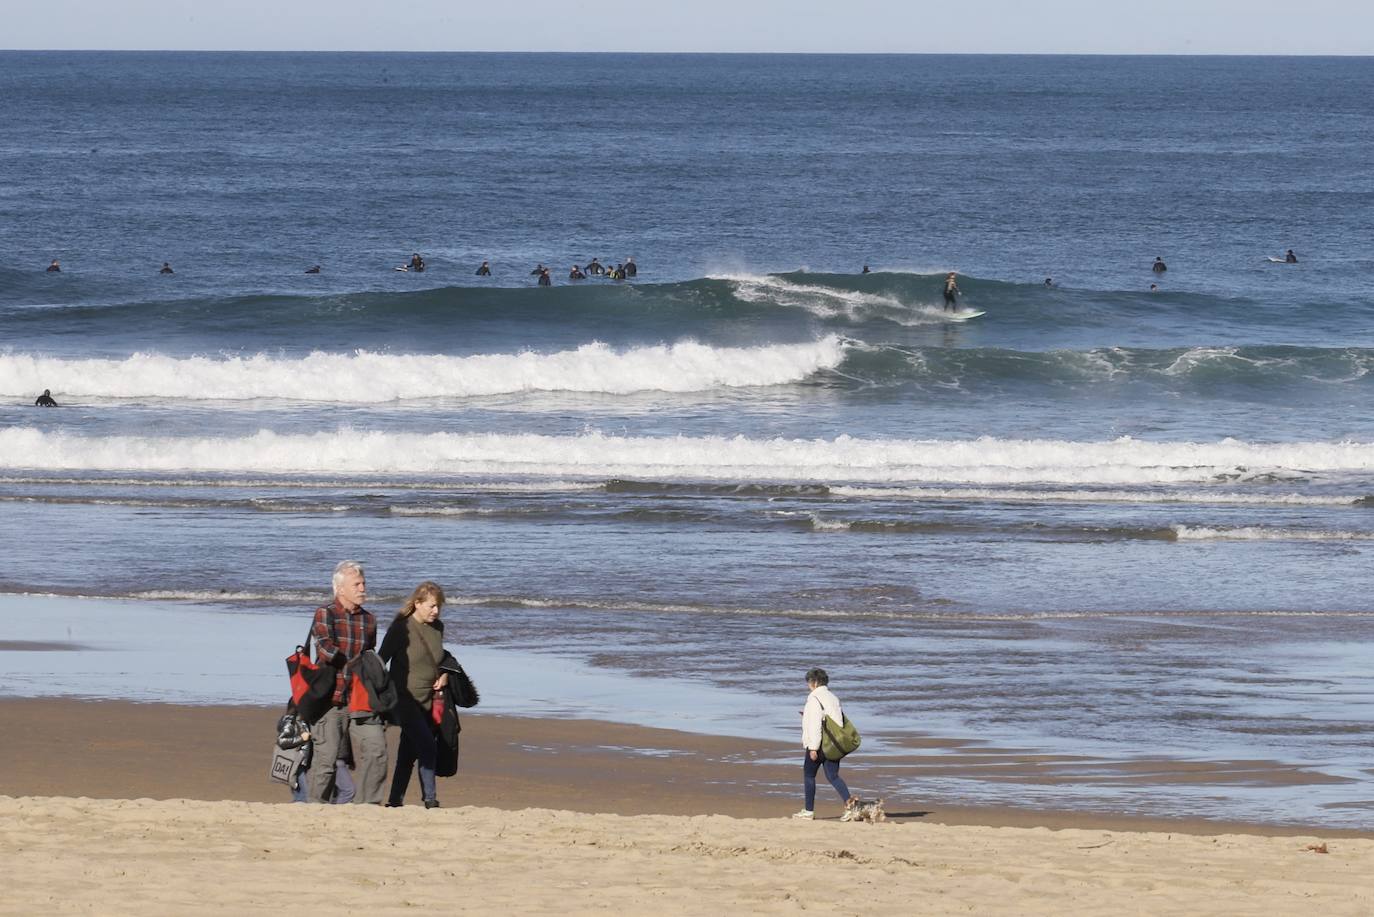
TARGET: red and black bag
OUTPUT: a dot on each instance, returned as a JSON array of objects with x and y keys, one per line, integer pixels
[{"x": 312, "y": 686}]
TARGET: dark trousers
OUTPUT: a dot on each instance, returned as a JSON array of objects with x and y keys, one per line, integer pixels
[
  {"x": 832, "y": 773},
  {"x": 418, "y": 747}
]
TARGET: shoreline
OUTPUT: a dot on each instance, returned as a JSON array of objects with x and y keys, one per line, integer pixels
[{"x": 111, "y": 749}]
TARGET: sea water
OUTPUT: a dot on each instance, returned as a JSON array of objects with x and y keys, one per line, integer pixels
[{"x": 1099, "y": 518}]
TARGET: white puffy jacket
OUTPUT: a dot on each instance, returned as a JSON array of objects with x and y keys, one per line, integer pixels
[{"x": 822, "y": 702}]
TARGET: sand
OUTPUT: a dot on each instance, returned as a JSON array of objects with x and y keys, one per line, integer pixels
[
  {"x": 146, "y": 857},
  {"x": 561, "y": 816}
]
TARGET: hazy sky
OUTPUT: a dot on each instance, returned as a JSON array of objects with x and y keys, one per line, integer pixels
[{"x": 1089, "y": 26}]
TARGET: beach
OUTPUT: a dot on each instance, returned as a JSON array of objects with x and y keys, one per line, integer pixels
[{"x": 156, "y": 808}]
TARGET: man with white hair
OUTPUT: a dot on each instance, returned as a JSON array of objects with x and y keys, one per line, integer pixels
[{"x": 343, "y": 630}]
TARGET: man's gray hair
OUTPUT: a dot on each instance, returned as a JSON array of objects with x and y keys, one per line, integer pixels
[
  {"x": 344, "y": 568},
  {"x": 817, "y": 677}
]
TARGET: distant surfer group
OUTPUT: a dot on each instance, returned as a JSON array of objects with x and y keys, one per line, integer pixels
[{"x": 416, "y": 265}]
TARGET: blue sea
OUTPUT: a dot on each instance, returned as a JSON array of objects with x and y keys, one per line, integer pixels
[{"x": 1098, "y": 520}]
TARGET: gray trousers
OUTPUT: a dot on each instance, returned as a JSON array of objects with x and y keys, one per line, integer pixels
[{"x": 368, "y": 738}]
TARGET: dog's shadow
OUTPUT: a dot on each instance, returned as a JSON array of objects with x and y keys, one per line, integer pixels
[{"x": 892, "y": 815}]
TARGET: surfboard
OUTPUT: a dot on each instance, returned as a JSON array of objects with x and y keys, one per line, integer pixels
[
  {"x": 965, "y": 316},
  {"x": 1274, "y": 260}
]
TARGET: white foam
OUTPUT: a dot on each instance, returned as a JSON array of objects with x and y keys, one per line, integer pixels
[
  {"x": 368, "y": 378},
  {"x": 828, "y": 302},
  {"x": 1094, "y": 496},
  {"x": 1263, "y": 533},
  {"x": 845, "y": 459}
]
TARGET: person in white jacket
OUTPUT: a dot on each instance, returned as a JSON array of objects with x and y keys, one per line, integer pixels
[{"x": 820, "y": 703}]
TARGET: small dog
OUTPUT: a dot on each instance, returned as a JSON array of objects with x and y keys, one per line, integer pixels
[{"x": 871, "y": 811}]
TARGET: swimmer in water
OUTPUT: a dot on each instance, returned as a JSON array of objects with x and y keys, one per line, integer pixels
[
  {"x": 595, "y": 268},
  {"x": 865, "y": 270},
  {"x": 544, "y": 279},
  {"x": 951, "y": 292},
  {"x": 416, "y": 262},
  {"x": 313, "y": 270},
  {"x": 1159, "y": 267},
  {"x": 45, "y": 400},
  {"x": 1154, "y": 288},
  {"x": 618, "y": 273},
  {"x": 56, "y": 268},
  {"x": 538, "y": 269},
  {"x": 1049, "y": 281},
  {"x": 630, "y": 267},
  {"x": 1290, "y": 258},
  {"x": 166, "y": 269},
  {"x": 484, "y": 270},
  {"x": 576, "y": 273}
]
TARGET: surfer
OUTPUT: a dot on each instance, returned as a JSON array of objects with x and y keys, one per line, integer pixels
[
  {"x": 166, "y": 269},
  {"x": 630, "y": 268},
  {"x": 313, "y": 270},
  {"x": 544, "y": 279},
  {"x": 865, "y": 270},
  {"x": 538, "y": 269},
  {"x": 618, "y": 273},
  {"x": 576, "y": 273},
  {"x": 1154, "y": 288},
  {"x": 416, "y": 262},
  {"x": 595, "y": 268},
  {"x": 1290, "y": 258},
  {"x": 1159, "y": 267},
  {"x": 484, "y": 270},
  {"x": 56, "y": 268},
  {"x": 45, "y": 400},
  {"x": 951, "y": 292},
  {"x": 1049, "y": 281}
]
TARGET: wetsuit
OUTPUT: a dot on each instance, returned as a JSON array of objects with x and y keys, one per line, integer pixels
[
  {"x": 630, "y": 269},
  {"x": 544, "y": 279},
  {"x": 313, "y": 270},
  {"x": 865, "y": 270},
  {"x": 1159, "y": 267},
  {"x": 45, "y": 400},
  {"x": 1291, "y": 258},
  {"x": 484, "y": 271},
  {"x": 575, "y": 274},
  {"x": 595, "y": 267},
  {"x": 166, "y": 269},
  {"x": 54, "y": 269},
  {"x": 951, "y": 294}
]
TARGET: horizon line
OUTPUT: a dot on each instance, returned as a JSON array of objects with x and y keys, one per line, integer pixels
[{"x": 738, "y": 53}]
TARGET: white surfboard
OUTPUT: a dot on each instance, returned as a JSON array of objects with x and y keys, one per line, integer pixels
[
  {"x": 1274, "y": 260},
  {"x": 963, "y": 316}
]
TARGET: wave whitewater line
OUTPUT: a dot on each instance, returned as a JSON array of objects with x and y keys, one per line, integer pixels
[
  {"x": 364, "y": 377},
  {"x": 1122, "y": 461}
]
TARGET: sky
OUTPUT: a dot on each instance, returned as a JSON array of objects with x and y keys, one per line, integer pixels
[{"x": 835, "y": 26}]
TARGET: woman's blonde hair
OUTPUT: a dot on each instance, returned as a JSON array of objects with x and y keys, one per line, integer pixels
[{"x": 426, "y": 590}]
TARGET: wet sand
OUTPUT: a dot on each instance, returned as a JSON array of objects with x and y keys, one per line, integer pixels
[{"x": 124, "y": 750}]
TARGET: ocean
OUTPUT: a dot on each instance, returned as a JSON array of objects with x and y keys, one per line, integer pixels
[{"x": 1100, "y": 518}]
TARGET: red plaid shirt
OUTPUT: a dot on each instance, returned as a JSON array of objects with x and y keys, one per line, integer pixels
[{"x": 337, "y": 631}]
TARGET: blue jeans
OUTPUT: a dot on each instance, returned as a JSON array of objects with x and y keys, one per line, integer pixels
[
  {"x": 832, "y": 773},
  {"x": 418, "y": 746}
]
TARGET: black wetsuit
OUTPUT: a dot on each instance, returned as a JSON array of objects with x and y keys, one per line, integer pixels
[
  {"x": 484, "y": 271},
  {"x": 45, "y": 401},
  {"x": 537, "y": 271},
  {"x": 54, "y": 269},
  {"x": 1159, "y": 267},
  {"x": 166, "y": 269},
  {"x": 313, "y": 270},
  {"x": 951, "y": 295},
  {"x": 575, "y": 274},
  {"x": 544, "y": 279},
  {"x": 595, "y": 267},
  {"x": 630, "y": 269},
  {"x": 1291, "y": 259}
]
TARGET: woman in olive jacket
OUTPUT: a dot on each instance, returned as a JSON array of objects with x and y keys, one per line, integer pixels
[{"x": 414, "y": 646}]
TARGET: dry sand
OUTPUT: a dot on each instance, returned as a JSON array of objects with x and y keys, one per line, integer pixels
[
  {"x": 507, "y": 841},
  {"x": 148, "y": 857}
]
